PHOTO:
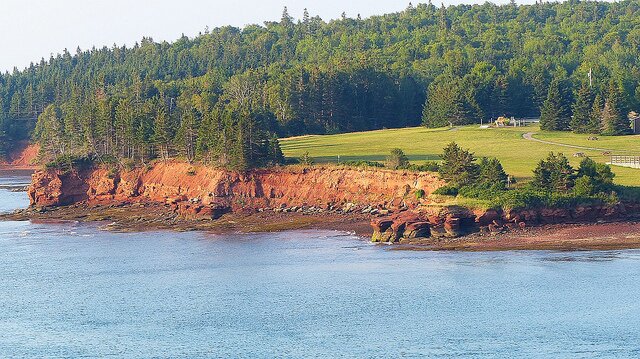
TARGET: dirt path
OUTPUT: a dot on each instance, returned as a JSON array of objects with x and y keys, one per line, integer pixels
[{"x": 529, "y": 136}]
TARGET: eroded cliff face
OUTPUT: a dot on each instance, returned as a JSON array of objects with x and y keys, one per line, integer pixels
[
  {"x": 23, "y": 156},
  {"x": 199, "y": 190},
  {"x": 389, "y": 197}
]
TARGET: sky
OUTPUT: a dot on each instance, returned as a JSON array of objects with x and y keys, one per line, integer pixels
[{"x": 33, "y": 29}]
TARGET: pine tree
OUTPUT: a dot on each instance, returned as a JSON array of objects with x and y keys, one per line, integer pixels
[
  {"x": 555, "y": 114},
  {"x": 276, "y": 157},
  {"x": 447, "y": 104},
  {"x": 187, "y": 134},
  {"x": 458, "y": 167},
  {"x": 161, "y": 135},
  {"x": 104, "y": 124},
  {"x": 241, "y": 151},
  {"x": 595, "y": 121},
  {"x": 582, "y": 110},
  {"x": 3, "y": 137},
  {"x": 286, "y": 19},
  {"x": 144, "y": 128},
  {"x": 614, "y": 116},
  {"x": 492, "y": 173},
  {"x": 442, "y": 18},
  {"x": 397, "y": 159},
  {"x": 553, "y": 174},
  {"x": 48, "y": 131},
  {"x": 305, "y": 17},
  {"x": 125, "y": 128}
]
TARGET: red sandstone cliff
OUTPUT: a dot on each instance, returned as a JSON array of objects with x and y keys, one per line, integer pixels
[
  {"x": 199, "y": 189},
  {"x": 389, "y": 196},
  {"x": 22, "y": 157}
]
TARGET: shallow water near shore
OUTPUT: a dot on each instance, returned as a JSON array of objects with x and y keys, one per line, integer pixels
[{"x": 73, "y": 290}]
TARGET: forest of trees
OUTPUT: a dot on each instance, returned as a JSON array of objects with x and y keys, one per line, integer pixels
[{"x": 224, "y": 96}]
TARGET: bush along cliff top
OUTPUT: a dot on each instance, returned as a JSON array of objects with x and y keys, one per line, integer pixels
[
  {"x": 480, "y": 196},
  {"x": 555, "y": 183}
]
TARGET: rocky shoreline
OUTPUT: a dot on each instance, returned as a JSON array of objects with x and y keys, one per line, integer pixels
[
  {"x": 149, "y": 216},
  {"x": 140, "y": 217},
  {"x": 378, "y": 204}
]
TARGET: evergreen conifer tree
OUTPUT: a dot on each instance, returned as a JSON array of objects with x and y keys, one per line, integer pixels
[
  {"x": 615, "y": 121},
  {"x": 582, "y": 110},
  {"x": 595, "y": 121},
  {"x": 555, "y": 114}
]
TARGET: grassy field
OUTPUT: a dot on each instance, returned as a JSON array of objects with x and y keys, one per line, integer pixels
[
  {"x": 518, "y": 155},
  {"x": 617, "y": 144}
]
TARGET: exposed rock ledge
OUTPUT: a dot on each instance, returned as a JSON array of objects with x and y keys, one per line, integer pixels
[
  {"x": 388, "y": 198},
  {"x": 434, "y": 223},
  {"x": 202, "y": 192}
]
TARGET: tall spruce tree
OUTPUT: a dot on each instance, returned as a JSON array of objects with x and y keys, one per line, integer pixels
[
  {"x": 48, "y": 132},
  {"x": 555, "y": 114},
  {"x": 492, "y": 173},
  {"x": 595, "y": 121},
  {"x": 3, "y": 136},
  {"x": 580, "y": 122},
  {"x": 161, "y": 134},
  {"x": 458, "y": 165},
  {"x": 615, "y": 121}
]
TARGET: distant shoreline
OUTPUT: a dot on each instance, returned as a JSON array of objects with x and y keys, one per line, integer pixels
[
  {"x": 141, "y": 217},
  {"x": 147, "y": 216},
  {"x": 135, "y": 213},
  {"x": 616, "y": 235}
]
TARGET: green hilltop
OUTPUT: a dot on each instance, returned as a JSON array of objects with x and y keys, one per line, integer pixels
[{"x": 519, "y": 156}]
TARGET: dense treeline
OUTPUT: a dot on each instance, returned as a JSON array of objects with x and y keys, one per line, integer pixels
[
  {"x": 223, "y": 96},
  {"x": 555, "y": 182}
]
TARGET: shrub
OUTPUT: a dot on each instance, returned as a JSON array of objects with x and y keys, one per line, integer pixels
[
  {"x": 584, "y": 186},
  {"x": 600, "y": 175},
  {"x": 627, "y": 193},
  {"x": 305, "y": 159},
  {"x": 363, "y": 164},
  {"x": 113, "y": 171},
  {"x": 485, "y": 191},
  {"x": 128, "y": 164},
  {"x": 291, "y": 161},
  {"x": 447, "y": 191},
  {"x": 397, "y": 159},
  {"x": 107, "y": 160},
  {"x": 66, "y": 163},
  {"x": 553, "y": 174},
  {"x": 458, "y": 167},
  {"x": 491, "y": 172},
  {"x": 419, "y": 194},
  {"x": 520, "y": 198},
  {"x": 429, "y": 166}
]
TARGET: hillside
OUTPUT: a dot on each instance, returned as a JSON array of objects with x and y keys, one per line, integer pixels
[
  {"x": 518, "y": 155},
  {"x": 221, "y": 96}
]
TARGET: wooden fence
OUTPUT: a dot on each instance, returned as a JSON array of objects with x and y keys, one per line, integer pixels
[{"x": 626, "y": 161}]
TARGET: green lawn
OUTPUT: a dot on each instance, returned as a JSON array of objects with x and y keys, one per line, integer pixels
[
  {"x": 618, "y": 144},
  {"x": 518, "y": 156}
]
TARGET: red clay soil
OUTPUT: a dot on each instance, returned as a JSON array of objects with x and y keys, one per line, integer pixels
[{"x": 22, "y": 158}]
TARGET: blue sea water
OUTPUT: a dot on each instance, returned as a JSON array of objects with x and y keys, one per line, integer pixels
[{"x": 75, "y": 291}]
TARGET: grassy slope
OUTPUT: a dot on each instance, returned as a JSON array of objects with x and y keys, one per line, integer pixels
[{"x": 519, "y": 156}]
